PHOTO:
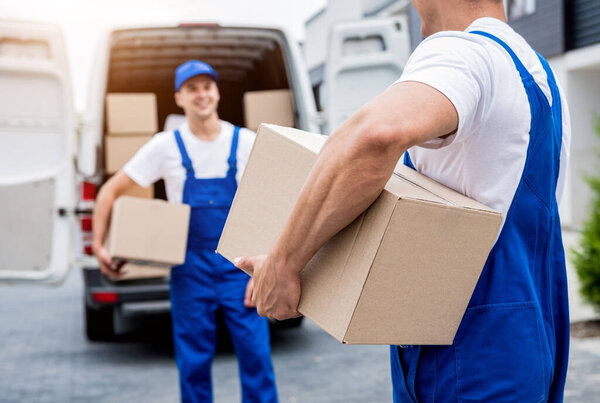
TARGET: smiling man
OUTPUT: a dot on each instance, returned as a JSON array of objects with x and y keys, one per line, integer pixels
[
  {"x": 201, "y": 164},
  {"x": 479, "y": 111}
]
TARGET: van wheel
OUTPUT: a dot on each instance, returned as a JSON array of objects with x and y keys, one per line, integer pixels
[{"x": 99, "y": 323}]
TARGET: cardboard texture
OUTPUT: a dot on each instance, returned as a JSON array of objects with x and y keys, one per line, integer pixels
[
  {"x": 151, "y": 232},
  {"x": 118, "y": 150},
  {"x": 273, "y": 106},
  {"x": 131, "y": 114},
  {"x": 132, "y": 271},
  {"x": 402, "y": 273}
]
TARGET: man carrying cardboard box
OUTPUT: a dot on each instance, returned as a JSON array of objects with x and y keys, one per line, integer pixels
[
  {"x": 201, "y": 164},
  {"x": 479, "y": 111}
]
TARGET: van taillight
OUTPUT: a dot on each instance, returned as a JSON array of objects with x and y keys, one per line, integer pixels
[
  {"x": 86, "y": 205},
  {"x": 88, "y": 191},
  {"x": 86, "y": 223},
  {"x": 105, "y": 297}
]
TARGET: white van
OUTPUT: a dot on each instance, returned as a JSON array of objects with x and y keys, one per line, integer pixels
[{"x": 50, "y": 168}]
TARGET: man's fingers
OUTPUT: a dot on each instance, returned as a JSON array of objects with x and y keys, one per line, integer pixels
[
  {"x": 248, "y": 299},
  {"x": 243, "y": 263},
  {"x": 247, "y": 263}
]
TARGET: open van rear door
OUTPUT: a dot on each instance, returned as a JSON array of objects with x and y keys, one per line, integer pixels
[
  {"x": 364, "y": 58},
  {"x": 37, "y": 131}
]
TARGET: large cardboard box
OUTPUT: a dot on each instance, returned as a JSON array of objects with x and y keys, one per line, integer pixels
[
  {"x": 273, "y": 106},
  {"x": 152, "y": 232},
  {"x": 401, "y": 273},
  {"x": 119, "y": 149},
  {"x": 130, "y": 114}
]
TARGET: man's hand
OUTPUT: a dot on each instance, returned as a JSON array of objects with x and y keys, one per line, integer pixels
[
  {"x": 107, "y": 266},
  {"x": 276, "y": 290},
  {"x": 248, "y": 303}
]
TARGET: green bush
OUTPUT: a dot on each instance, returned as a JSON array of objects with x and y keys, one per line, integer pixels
[{"x": 586, "y": 258}]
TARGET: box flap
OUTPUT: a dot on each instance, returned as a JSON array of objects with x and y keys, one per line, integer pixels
[
  {"x": 449, "y": 196},
  {"x": 403, "y": 188},
  {"x": 310, "y": 141}
]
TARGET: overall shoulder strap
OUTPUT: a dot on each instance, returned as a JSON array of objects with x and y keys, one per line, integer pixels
[
  {"x": 407, "y": 161},
  {"x": 556, "y": 101},
  {"x": 185, "y": 159},
  {"x": 525, "y": 75},
  {"x": 232, "y": 160}
]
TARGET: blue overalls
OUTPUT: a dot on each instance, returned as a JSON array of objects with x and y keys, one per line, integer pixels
[
  {"x": 513, "y": 342},
  {"x": 207, "y": 281}
]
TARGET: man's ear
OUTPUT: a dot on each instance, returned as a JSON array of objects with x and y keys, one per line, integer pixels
[{"x": 177, "y": 102}]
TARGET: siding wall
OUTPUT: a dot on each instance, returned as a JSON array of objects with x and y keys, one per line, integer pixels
[
  {"x": 583, "y": 22},
  {"x": 544, "y": 29}
]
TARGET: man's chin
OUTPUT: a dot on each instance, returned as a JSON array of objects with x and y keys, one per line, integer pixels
[{"x": 203, "y": 115}]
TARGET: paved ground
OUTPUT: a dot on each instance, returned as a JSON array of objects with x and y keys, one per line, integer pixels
[{"x": 46, "y": 358}]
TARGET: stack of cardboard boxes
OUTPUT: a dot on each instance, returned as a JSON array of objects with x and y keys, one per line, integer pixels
[
  {"x": 151, "y": 235},
  {"x": 131, "y": 122}
]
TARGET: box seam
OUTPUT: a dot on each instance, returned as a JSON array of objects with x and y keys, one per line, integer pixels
[
  {"x": 487, "y": 210},
  {"x": 368, "y": 274}
]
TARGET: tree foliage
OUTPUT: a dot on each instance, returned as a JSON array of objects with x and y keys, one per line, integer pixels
[{"x": 586, "y": 258}]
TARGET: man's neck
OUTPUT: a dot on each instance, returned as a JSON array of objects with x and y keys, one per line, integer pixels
[
  {"x": 205, "y": 129},
  {"x": 458, "y": 18}
]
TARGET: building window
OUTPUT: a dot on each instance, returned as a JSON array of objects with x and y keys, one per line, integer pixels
[{"x": 516, "y": 9}]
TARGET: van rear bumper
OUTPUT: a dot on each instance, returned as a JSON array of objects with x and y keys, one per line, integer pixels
[{"x": 149, "y": 296}]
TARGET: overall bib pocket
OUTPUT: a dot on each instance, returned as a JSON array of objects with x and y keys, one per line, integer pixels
[{"x": 498, "y": 354}]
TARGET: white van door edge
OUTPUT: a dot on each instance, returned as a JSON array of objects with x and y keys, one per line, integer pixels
[
  {"x": 37, "y": 135},
  {"x": 364, "y": 58}
]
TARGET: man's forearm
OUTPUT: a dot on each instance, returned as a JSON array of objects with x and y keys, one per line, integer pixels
[
  {"x": 101, "y": 215},
  {"x": 350, "y": 173}
]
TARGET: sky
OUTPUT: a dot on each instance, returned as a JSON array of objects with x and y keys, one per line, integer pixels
[{"x": 85, "y": 21}]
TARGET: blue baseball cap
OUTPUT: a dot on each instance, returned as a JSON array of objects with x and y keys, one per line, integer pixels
[{"x": 191, "y": 69}]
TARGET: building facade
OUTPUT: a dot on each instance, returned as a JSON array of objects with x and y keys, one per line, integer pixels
[{"x": 566, "y": 32}]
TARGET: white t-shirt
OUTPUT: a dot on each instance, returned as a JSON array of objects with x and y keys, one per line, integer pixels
[
  {"x": 485, "y": 158},
  {"x": 160, "y": 158}
]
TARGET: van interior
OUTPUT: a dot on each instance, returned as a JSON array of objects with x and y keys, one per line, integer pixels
[
  {"x": 144, "y": 60},
  {"x": 247, "y": 59}
]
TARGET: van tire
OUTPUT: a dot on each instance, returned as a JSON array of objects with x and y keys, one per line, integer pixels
[{"x": 99, "y": 323}]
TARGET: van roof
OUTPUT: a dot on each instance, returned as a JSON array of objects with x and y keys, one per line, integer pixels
[{"x": 232, "y": 51}]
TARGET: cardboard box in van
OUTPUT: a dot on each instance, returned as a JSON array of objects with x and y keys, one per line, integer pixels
[
  {"x": 402, "y": 273},
  {"x": 152, "y": 232},
  {"x": 131, "y": 114},
  {"x": 118, "y": 150},
  {"x": 273, "y": 106}
]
